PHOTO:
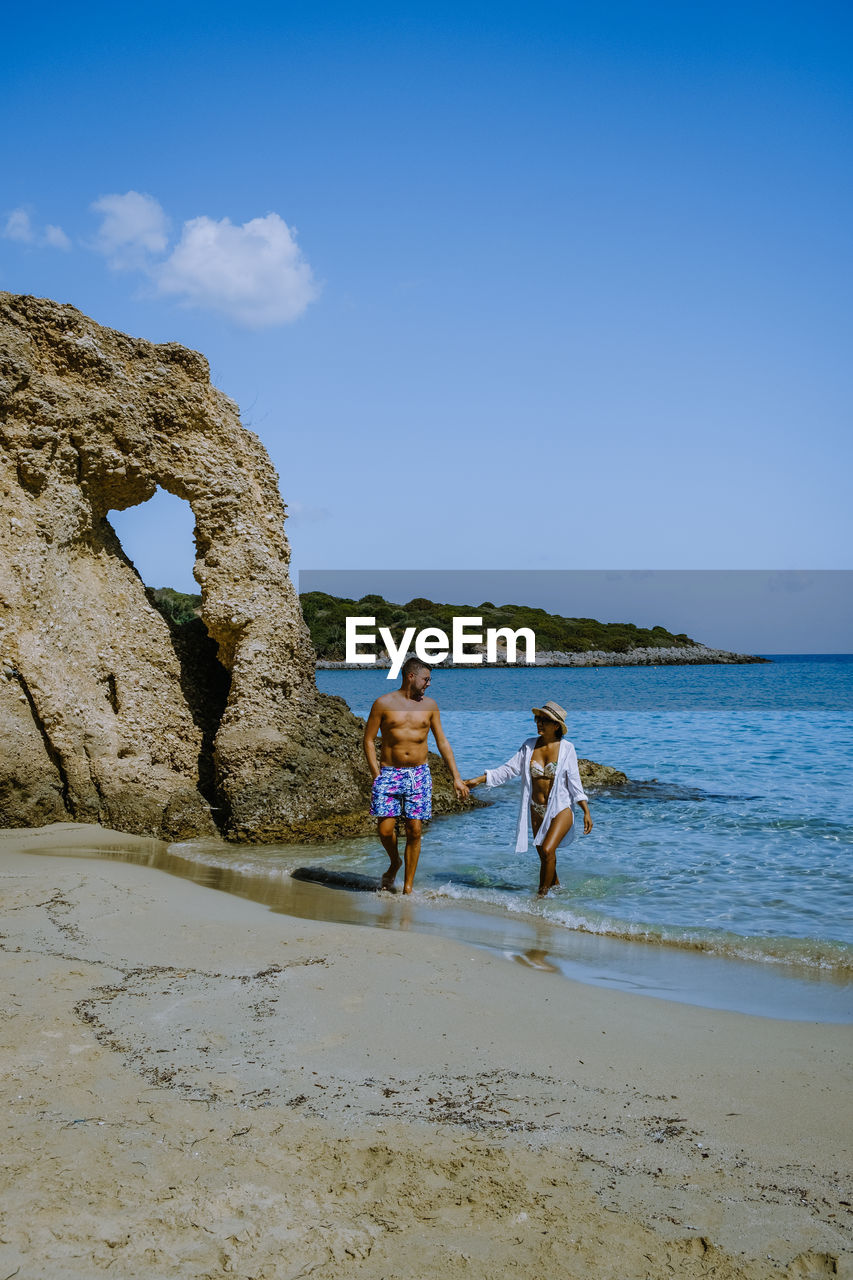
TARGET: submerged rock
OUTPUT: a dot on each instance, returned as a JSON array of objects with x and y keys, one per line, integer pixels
[{"x": 595, "y": 776}]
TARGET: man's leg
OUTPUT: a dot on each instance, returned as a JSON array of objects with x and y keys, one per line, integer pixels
[
  {"x": 414, "y": 827},
  {"x": 388, "y": 835}
]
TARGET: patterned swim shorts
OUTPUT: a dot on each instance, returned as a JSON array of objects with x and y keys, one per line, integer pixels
[{"x": 406, "y": 790}]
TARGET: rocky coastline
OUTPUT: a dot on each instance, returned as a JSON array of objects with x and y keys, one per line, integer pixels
[{"x": 687, "y": 655}]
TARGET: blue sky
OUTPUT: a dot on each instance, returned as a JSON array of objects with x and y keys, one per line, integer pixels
[{"x": 499, "y": 286}]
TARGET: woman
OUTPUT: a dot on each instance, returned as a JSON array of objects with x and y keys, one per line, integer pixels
[{"x": 551, "y": 784}]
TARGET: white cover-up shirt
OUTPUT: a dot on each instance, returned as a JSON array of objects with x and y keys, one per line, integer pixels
[{"x": 566, "y": 788}]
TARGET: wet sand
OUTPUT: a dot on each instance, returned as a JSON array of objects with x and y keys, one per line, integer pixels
[
  {"x": 285, "y": 879},
  {"x": 194, "y": 1085}
]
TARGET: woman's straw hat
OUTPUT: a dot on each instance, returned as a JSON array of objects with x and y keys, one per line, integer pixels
[{"x": 553, "y": 711}]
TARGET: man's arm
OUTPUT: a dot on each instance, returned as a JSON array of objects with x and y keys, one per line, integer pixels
[
  {"x": 374, "y": 722},
  {"x": 447, "y": 755}
]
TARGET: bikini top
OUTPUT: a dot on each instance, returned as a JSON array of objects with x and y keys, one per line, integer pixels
[{"x": 538, "y": 770}]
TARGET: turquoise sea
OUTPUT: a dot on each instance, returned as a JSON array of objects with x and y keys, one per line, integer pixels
[
  {"x": 738, "y": 821},
  {"x": 720, "y": 875}
]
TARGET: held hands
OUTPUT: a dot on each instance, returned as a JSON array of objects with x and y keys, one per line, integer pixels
[
  {"x": 461, "y": 788},
  {"x": 475, "y": 782}
]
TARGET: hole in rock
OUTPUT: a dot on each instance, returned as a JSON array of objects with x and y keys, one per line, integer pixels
[{"x": 158, "y": 537}]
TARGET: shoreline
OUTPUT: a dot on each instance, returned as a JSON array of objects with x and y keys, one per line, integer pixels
[
  {"x": 692, "y": 655},
  {"x": 730, "y": 974},
  {"x": 194, "y": 1081}
]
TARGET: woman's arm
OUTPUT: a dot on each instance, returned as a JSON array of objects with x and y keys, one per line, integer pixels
[
  {"x": 503, "y": 773},
  {"x": 573, "y": 777},
  {"x": 576, "y": 791}
]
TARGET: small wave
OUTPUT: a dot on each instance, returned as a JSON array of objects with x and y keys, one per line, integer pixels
[
  {"x": 825, "y": 955},
  {"x": 216, "y": 858}
]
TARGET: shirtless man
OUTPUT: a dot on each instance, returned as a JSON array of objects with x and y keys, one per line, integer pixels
[{"x": 403, "y": 783}]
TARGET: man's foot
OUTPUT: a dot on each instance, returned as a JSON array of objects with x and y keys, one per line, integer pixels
[{"x": 387, "y": 881}]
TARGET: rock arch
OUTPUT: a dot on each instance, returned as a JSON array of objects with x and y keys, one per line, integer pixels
[{"x": 95, "y": 715}]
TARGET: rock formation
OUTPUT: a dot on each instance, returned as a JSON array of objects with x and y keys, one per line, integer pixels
[
  {"x": 102, "y": 715},
  {"x": 107, "y": 713}
]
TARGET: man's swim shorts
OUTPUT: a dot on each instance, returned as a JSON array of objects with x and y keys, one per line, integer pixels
[{"x": 408, "y": 790}]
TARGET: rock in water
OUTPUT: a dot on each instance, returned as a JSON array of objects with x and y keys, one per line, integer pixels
[{"x": 106, "y": 713}]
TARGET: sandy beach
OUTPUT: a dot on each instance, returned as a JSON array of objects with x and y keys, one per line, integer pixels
[{"x": 196, "y": 1086}]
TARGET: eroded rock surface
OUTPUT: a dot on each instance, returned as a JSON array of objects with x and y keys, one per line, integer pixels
[{"x": 105, "y": 715}]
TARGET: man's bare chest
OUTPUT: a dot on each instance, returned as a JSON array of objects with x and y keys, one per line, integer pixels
[{"x": 403, "y": 722}]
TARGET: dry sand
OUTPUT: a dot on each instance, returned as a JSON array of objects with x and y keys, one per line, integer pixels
[{"x": 195, "y": 1086}]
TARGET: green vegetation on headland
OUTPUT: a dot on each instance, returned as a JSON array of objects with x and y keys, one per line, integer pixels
[{"x": 326, "y": 618}]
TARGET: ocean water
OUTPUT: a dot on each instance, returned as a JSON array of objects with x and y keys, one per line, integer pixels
[
  {"x": 735, "y": 834},
  {"x": 721, "y": 874}
]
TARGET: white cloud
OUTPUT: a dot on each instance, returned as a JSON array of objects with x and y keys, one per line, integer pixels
[
  {"x": 55, "y": 237},
  {"x": 134, "y": 226},
  {"x": 254, "y": 273},
  {"x": 19, "y": 227}
]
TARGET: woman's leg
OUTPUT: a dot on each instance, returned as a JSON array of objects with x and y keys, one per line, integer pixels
[
  {"x": 560, "y": 827},
  {"x": 536, "y": 816},
  {"x": 536, "y": 823}
]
